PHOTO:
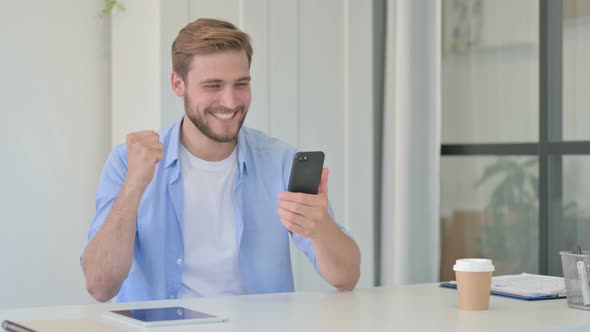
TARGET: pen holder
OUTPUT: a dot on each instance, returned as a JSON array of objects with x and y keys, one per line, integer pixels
[{"x": 576, "y": 272}]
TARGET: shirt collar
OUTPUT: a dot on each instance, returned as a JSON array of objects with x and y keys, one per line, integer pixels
[{"x": 174, "y": 145}]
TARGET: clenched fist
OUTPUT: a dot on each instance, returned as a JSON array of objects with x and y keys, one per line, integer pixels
[{"x": 144, "y": 151}]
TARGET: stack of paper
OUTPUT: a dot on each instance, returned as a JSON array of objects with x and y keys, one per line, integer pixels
[{"x": 524, "y": 286}]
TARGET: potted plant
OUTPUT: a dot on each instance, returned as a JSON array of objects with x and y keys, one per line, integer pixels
[{"x": 511, "y": 235}]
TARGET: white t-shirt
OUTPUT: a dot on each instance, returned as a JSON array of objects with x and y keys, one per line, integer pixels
[{"x": 210, "y": 242}]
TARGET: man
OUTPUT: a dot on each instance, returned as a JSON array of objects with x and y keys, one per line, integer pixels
[{"x": 200, "y": 209}]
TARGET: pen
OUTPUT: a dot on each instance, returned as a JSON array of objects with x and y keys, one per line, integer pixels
[{"x": 14, "y": 327}]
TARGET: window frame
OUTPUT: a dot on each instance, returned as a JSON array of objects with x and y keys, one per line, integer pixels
[{"x": 550, "y": 148}]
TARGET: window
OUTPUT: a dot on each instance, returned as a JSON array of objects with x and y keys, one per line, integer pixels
[{"x": 515, "y": 168}]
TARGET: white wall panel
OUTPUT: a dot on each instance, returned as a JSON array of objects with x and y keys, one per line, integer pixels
[
  {"x": 358, "y": 141},
  {"x": 135, "y": 69},
  {"x": 284, "y": 66},
  {"x": 174, "y": 16},
  {"x": 55, "y": 110},
  {"x": 224, "y": 9},
  {"x": 255, "y": 21}
]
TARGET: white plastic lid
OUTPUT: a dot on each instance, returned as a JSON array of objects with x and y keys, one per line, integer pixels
[{"x": 474, "y": 265}]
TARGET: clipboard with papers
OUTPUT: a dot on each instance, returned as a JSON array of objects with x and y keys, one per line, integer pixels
[{"x": 524, "y": 286}]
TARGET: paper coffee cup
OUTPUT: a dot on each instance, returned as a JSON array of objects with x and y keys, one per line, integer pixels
[{"x": 474, "y": 281}]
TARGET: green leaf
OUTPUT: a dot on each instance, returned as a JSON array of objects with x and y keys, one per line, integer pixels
[
  {"x": 110, "y": 5},
  {"x": 534, "y": 182},
  {"x": 530, "y": 162},
  {"x": 501, "y": 165}
]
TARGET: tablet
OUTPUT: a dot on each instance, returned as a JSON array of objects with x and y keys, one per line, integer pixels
[{"x": 163, "y": 316}]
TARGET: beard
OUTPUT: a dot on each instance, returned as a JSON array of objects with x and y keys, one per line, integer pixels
[{"x": 197, "y": 118}]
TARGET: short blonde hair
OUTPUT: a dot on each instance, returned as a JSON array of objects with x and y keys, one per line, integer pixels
[{"x": 206, "y": 36}]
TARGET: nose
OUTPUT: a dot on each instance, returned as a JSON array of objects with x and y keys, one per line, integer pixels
[{"x": 229, "y": 99}]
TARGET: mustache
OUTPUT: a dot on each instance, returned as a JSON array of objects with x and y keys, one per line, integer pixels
[{"x": 220, "y": 109}]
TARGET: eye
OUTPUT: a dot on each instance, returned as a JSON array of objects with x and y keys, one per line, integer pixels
[
  {"x": 212, "y": 86},
  {"x": 242, "y": 84}
]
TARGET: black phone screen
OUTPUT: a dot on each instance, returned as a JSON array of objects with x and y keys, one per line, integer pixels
[{"x": 306, "y": 172}]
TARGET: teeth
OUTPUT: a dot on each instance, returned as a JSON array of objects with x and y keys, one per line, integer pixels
[{"x": 224, "y": 116}]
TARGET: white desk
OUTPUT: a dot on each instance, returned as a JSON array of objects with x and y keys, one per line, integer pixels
[{"x": 408, "y": 308}]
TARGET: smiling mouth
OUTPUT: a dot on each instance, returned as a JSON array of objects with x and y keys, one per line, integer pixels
[{"x": 224, "y": 116}]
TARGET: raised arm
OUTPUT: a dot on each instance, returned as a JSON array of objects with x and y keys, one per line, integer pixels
[{"x": 109, "y": 255}]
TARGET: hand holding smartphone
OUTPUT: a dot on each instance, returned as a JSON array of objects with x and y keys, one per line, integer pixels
[{"x": 306, "y": 172}]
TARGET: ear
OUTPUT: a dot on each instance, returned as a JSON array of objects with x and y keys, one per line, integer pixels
[{"x": 177, "y": 84}]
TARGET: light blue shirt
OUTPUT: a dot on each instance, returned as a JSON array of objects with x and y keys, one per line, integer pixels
[{"x": 264, "y": 166}]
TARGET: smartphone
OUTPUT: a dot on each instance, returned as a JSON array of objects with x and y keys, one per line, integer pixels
[{"x": 306, "y": 172}]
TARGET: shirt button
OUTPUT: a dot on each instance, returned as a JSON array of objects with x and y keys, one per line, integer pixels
[{"x": 179, "y": 261}]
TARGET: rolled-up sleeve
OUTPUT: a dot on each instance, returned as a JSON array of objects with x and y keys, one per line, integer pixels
[{"x": 110, "y": 183}]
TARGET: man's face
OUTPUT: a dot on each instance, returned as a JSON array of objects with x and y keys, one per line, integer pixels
[{"x": 217, "y": 94}]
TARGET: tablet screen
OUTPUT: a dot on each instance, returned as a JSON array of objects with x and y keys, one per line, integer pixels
[{"x": 163, "y": 314}]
